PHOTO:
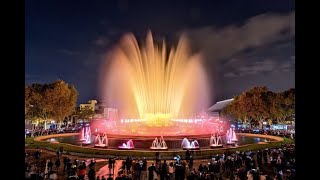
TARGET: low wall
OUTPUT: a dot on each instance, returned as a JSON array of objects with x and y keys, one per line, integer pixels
[
  {"x": 97, "y": 152},
  {"x": 40, "y": 138},
  {"x": 261, "y": 136}
]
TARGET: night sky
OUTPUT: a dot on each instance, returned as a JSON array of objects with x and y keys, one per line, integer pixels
[{"x": 245, "y": 43}]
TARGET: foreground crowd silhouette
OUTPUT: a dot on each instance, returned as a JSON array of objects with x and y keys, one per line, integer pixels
[{"x": 273, "y": 163}]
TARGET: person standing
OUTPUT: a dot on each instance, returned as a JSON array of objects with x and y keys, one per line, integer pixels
[
  {"x": 151, "y": 173},
  {"x": 65, "y": 162},
  {"x": 57, "y": 163},
  {"x": 143, "y": 173},
  {"x": 58, "y": 153},
  {"x": 92, "y": 174},
  {"x": 164, "y": 171},
  {"x": 82, "y": 172}
]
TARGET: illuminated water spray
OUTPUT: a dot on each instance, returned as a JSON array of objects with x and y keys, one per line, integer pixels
[
  {"x": 86, "y": 135},
  {"x": 148, "y": 82},
  {"x": 189, "y": 145}
]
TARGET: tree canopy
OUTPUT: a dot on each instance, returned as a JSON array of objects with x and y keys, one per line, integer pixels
[
  {"x": 259, "y": 103},
  {"x": 55, "y": 100}
]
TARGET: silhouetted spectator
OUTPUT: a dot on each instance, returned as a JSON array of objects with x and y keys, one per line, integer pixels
[
  {"x": 92, "y": 174},
  {"x": 57, "y": 163},
  {"x": 152, "y": 169}
]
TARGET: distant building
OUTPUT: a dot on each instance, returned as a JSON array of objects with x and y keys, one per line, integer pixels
[
  {"x": 111, "y": 113},
  {"x": 215, "y": 110},
  {"x": 91, "y": 104}
]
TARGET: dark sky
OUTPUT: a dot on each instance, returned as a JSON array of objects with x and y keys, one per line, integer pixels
[{"x": 245, "y": 43}]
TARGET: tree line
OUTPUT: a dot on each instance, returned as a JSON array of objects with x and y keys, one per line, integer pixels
[
  {"x": 259, "y": 104},
  {"x": 55, "y": 101}
]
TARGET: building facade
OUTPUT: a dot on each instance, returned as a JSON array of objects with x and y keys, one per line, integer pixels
[{"x": 91, "y": 104}]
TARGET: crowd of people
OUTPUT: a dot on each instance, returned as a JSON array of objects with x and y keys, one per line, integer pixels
[
  {"x": 272, "y": 163},
  {"x": 49, "y": 169},
  {"x": 41, "y": 131},
  {"x": 281, "y": 132},
  {"x": 275, "y": 163}
]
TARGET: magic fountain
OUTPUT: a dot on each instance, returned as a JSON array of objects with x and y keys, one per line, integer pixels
[
  {"x": 150, "y": 91},
  {"x": 158, "y": 92}
]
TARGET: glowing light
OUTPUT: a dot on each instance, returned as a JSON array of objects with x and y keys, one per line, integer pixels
[{"x": 155, "y": 85}]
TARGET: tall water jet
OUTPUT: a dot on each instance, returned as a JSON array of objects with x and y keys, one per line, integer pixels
[
  {"x": 87, "y": 136},
  {"x": 234, "y": 137},
  {"x": 153, "y": 84},
  {"x": 82, "y": 135},
  {"x": 231, "y": 136}
]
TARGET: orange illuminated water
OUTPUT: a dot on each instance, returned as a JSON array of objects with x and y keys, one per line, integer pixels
[{"x": 147, "y": 82}]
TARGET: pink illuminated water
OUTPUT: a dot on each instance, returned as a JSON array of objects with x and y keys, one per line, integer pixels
[
  {"x": 86, "y": 135},
  {"x": 177, "y": 128},
  {"x": 231, "y": 136},
  {"x": 128, "y": 145}
]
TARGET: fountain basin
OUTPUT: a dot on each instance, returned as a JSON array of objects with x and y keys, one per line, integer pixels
[
  {"x": 159, "y": 148},
  {"x": 231, "y": 143},
  {"x": 212, "y": 146},
  {"x": 101, "y": 145},
  {"x": 191, "y": 148},
  {"x": 129, "y": 145},
  {"x": 127, "y": 148},
  {"x": 86, "y": 143}
]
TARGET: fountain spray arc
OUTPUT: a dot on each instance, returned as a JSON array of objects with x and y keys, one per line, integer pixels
[
  {"x": 189, "y": 145},
  {"x": 86, "y": 135},
  {"x": 231, "y": 136},
  {"x": 215, "y": 141},
  {"x": 128, "y": 145},
  {"x": 159, "y": 144},
  {"x": 151, "y": 84},
  {"x": 101, "y": 140}
]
